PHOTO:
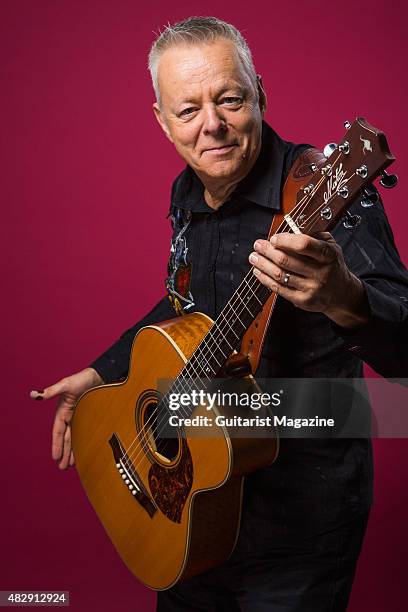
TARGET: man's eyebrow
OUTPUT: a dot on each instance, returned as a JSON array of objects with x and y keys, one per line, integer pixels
[
  {"x": 187, "y": 100},
  {"x": 191, "y": 99},
  {"x": 236, "y": 86}
]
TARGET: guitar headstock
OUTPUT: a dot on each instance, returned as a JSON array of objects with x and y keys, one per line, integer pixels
[{"x": 362, "y": 155}]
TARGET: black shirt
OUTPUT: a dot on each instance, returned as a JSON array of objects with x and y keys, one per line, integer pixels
[{"x": 314, "y": 484}]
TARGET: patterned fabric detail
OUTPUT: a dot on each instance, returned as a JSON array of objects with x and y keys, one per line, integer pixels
[{"x": 179, "y": 269}]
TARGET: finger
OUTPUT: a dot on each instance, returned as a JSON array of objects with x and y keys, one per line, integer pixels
[
  {"x": 278, "y": 274},
  {"x": 293, "y": 295},
  {"x": 286, "y": 260},
  {"x": 49, "y": 392},
  {"x": 58, "y": 432},
  {"x": 36, "y": 395},
  {"x": 319, "y": 250},
  {"x": 64, "y": 463},
  {"x": 324, "y": 236}
]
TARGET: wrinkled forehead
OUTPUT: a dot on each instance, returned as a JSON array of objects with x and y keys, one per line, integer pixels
[{"x": 185, "y": 68}]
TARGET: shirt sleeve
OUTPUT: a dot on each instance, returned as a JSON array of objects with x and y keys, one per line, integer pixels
[
  {"x": 371, "y": 254},
  {"x": 113, "y": 364}
]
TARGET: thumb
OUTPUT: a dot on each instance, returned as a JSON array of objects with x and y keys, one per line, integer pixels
[
  {"x": 326, "y": 236},
  {"x": 49, "y": 392}
]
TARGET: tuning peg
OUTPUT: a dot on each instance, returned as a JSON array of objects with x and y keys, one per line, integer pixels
[
  {"x": 369, "y": 198},
  {"x": 308, "y": 188},
  {"x": 347, "y": 125},
  {"x": 345, "y": 147},
  {"x": 329, "y": 148},
  {"x": 351, "y": 221},
  {"x": 388, "y": 180},
  {"x": 362, "y": 171}
]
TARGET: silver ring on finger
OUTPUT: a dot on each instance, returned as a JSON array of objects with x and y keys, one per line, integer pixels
[{"x": 286, "y": 279}]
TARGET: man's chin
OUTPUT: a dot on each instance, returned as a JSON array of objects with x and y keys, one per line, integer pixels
[{"x": 228, "y": 169}]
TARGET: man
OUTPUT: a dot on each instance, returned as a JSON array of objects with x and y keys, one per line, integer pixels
[{"x": 304, "y": 518}]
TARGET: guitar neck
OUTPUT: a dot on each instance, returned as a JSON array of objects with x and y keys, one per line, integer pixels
[
  {"x": 360, "y": 158},
  {"x": 228, "y": 329}
]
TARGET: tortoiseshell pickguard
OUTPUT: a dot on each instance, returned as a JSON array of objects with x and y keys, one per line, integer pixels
[{"x": 170, "y": 486}]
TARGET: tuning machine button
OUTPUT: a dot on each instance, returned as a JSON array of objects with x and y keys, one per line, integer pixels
[
  {"x": 327, "y": 170},
  {"x": 388, "y": 180},
  {"x": 351, "y": 221},
  {"x": 347, "y": 125},
  {"x": 329, "y": 148},
  {"x": 343, "y": 192},
  {"x": 308, "y": 188},
  {"x": 345, "y": 147},
  {"x": 326, "y": 214},
  {"x": 362, "y": 171},
  {"x": 369, "y": 198}
]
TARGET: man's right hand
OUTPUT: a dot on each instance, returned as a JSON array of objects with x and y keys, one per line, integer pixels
[{"x": 69, "y": 390}]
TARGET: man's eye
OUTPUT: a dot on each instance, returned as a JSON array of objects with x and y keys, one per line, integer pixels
[
  {"x": 187, "y": 111},
  {"x": 232, "y": 100}
]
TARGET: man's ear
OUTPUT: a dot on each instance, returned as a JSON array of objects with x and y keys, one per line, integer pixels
[
  {"x": 261, "y": 94},
  {"x": 161, "y": 120}
]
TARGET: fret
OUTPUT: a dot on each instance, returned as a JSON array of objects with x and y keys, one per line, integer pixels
[
  {"x": 245, "y": 304},
  {"x": 227, "y": 322},
  {"x": 199, "y": 357},
  {"x": 252, "y": 291},
  {"x": 236, "y": 316},
  {"x": 190, "y": 365},
  {"x": 314, "y": 210},
  {"x": 213, "y": 353}
]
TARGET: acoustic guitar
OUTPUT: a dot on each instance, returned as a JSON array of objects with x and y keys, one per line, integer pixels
[{"x": 169, "y": 497}]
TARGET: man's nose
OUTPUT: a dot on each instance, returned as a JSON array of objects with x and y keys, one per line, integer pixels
[{"x": 214, "y": 121}]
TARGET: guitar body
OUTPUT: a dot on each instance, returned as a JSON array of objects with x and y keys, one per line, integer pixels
[
  {"x": 172, "y": 506},
  {"x": 169, "y": 514}
]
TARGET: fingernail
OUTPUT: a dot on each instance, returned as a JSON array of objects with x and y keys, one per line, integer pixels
[
  {"x": 257, "y": 245},
  {"x": 256, "y": 271},
  {"x": 253, "y": 258},
  {"x": 273, "y": 240},
  {"x": 36, "y": 394}
]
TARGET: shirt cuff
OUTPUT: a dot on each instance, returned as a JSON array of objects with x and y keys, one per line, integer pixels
[
  {"x": 386, "y": 314},
  {"x": 108, "y": 369}
]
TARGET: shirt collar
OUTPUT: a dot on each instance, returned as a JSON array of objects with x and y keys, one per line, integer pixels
[{"x": 261, "y": 186}]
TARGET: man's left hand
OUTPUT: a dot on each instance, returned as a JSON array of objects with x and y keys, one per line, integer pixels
[{"x": 312, "y": 274}]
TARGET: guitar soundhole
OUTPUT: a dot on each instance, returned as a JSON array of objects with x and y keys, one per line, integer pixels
[{"x": 162, "y": 440}]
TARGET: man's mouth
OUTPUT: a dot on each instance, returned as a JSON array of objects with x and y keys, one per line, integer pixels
[{"x": 221, "y": 149}]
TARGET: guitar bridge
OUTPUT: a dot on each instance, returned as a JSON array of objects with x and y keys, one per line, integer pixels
[{"x": 130, "y": 477}]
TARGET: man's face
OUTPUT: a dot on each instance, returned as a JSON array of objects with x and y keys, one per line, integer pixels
[{"x": 210, "y": 109}]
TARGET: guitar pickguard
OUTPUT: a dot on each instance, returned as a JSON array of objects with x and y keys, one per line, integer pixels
[{"x": 170, "y": 487}]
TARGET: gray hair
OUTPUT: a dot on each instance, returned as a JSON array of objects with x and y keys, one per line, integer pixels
[{"x": 198, "y": 30}]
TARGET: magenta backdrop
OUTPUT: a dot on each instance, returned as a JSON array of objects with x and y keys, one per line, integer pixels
[{"x": 85, "y": 176}]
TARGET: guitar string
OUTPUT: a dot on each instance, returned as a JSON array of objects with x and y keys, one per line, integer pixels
[
  {"x": 204, "y": 341},
  {"x": 208, "y": 337},
  {"x": 301, "y": 205},
  {"x": 181, "y": 384}
]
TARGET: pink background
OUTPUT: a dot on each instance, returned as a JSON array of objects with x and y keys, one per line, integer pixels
[{"x": 85, "y": 174}]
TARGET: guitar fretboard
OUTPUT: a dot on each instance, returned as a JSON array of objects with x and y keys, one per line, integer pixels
[{"x": 228, "y": 329}]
